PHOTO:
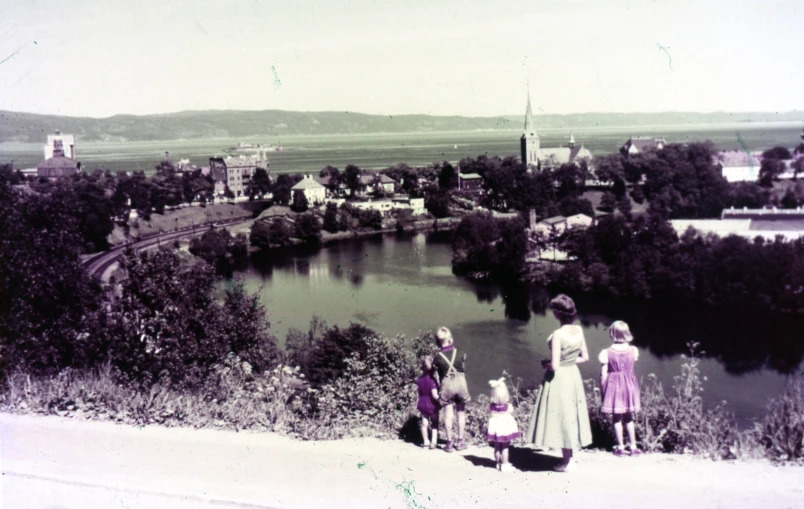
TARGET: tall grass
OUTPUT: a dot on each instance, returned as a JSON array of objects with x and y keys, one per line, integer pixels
[{"x": 376, "y": 396}]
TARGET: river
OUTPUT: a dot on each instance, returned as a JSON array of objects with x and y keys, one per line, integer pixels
[{"x": 403, "y": 283}]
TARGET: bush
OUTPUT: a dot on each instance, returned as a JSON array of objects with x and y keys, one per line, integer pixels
[
  {"x": 676, "y": 422},
  {"x": 331, "y": 218},
  {"x": 308, "y": 228},
  {"x": 782, "y": 432}
]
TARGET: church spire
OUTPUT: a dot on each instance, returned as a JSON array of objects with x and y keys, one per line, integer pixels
[
  {"x": 529, "y": 125},
  {"x": 572, "y": 140}
]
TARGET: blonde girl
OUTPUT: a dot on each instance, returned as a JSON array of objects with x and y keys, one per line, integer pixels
[
  {"x": 502, "y": 425},
  {"x": 619, "y": 385}
]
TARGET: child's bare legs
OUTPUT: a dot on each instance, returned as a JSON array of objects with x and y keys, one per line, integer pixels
[
  {"x": 449, "y": 418},
  {"x": 629, "y": 426},
  {"x": 425, "y": 424},
  {"x": 566, "y": 456},
  {"x": 618, "y": 429},
  {"x": 461, "y": 409},
  {"x": 503, "y": 453},
  {"x": 498, "y": 453},
  {"x": 434, "y": 427}
]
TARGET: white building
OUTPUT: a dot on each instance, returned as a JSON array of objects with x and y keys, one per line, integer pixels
[
  {"x": 67, "y": 144},
  {"x": 315, "y": 193},
  {"x": 738, "y": 165}
]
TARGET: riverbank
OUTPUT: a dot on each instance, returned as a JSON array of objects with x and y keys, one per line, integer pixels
[{"x": 49, "y": 461}]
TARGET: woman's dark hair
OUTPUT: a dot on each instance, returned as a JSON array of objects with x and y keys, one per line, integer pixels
[{"x": 564, "y": 308}]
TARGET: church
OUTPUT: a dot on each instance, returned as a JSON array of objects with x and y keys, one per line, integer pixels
[{"x": 534, "y": 156}]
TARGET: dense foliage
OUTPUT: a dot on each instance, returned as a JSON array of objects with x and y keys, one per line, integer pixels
[
  {"x": 219, "y": 249},
  {"x": 482, "y": 244}
]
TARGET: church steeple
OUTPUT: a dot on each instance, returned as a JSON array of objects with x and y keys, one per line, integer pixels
[
  {"x": 529, "y": 125},
  {"x": 572, "y": 141},
  {"x": 529, "y": 143}
]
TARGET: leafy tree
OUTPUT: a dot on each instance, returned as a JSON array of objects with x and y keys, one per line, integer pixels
[
  {"x": 48, "y": 305},
  {"x": 447, "y": 178},
  {"x": 798, "y": 167},
  {"x": 609, "y": 167},
  {"x": 607, "y": 202},
  {"x": 266, "y": 234},
  {"x": 511, "y": 247},
  {"x": 331, "y": 218},
  {"x": 351, "y": 177},
  {"x": 436, "y": 202},
  {"x": 624, "y": 206},
  {"x": 637, "y": 195},
  {"x": 769, "y": 170},
  {"x": 404, "y": 218},
  {"x": 335, "y": 178},
  {"x": 371, "y": 219},
  {"x": 473, "y": 244},
  {"x": 308, "y": 228},
  {"x": 789, "y": 200},
  {"x": 282, "y": 188},
  {"x": 777, "y": 153},
  {"x": 570, "y": 179},
  {"x": 572, "y": 205},
  {"x": 168, "y": 326},
  {"x": 219, "y": 249},
  {"x": 259, "y": 184},
  {"x": 299, "y": 202},
  {"x": 9, "y": 176}
]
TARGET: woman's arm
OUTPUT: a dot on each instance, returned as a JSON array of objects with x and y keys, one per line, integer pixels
[
  {"x": 434, "y": 393},
  {"x": 555, "y": 353},
  {"x": 604, "y": 375},
  {"x": 584, "y": 355}
]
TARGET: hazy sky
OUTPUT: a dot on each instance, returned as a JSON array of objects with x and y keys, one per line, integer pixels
[{"x": 443, "y": 57}]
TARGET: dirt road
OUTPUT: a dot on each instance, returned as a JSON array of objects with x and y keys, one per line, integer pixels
[{"x": 55, "y": 463}]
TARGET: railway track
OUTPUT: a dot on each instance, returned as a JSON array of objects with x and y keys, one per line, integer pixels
[{"x": 99, "y": 263}]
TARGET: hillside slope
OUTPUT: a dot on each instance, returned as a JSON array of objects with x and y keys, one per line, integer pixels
[{"x": 30, "y": 127}]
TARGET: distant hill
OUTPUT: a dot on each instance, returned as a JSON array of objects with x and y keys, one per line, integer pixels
[{"x": 30, "y": 127}]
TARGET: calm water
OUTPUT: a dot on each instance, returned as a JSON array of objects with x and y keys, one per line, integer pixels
[
  {"x": 403, "y": 284},
  {"x": 311, "y": 153}
]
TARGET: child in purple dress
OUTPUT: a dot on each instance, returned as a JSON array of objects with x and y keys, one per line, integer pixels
[
  {"x": 619, "y": 385},
  {"x": 428, "y": 404}
]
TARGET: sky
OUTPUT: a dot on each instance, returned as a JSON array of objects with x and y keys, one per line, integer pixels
[{"x": 446, "y": 57}]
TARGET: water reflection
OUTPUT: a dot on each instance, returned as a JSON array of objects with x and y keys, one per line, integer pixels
[{"x": 403, "y": 283}]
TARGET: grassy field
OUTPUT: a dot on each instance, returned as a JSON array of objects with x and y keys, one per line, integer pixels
[{"x": 311, "y": 153}]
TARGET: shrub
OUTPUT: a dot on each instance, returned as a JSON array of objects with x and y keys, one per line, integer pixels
[
  {"x": 331, "y": 218},
  {"x": 308, "y": 228},
  {"x": 782, "y": 432},
  {"x": 676, "y": 422}
]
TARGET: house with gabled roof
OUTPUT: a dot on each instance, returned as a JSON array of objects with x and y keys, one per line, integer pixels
[{"x": 638, "y": 144}]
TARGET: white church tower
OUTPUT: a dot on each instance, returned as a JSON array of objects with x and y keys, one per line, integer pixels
[{"x": 529, "y": 143}]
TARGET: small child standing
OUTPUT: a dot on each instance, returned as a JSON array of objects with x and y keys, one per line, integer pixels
[
  {"x": 428, "y": 404},
  {"x": 502, "y": 425},
  {"x": 619, "y": 385}
]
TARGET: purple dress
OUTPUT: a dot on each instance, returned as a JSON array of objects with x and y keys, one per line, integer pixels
[
  {"x": 621, "y": 392},
  {"x": 427, "y": 405}
]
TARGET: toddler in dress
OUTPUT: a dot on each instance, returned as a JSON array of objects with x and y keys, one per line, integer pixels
[
  {"x": 619, "y": 385},
  {"x": 502, "y": 425},
  {"x": 428, "y": 405}
]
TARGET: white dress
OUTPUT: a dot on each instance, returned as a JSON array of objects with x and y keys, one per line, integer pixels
[{"x": 502, "y": 425}]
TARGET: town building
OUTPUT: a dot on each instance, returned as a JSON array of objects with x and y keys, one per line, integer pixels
[
  {"x": 66, "y": 143},
  {"x": 749, "y": 223},
  {"x": 59, "y": 165},
  {"x": 314, "y": 192},
  {"x": 470, "y": 182},
  {"x": 368, "y": 183},
  {"x": 738, "y": 165},
  {"x": 236, "y": 172},
  {"x": 534, "y": 156},
  {"x": 640, "y": 144}
]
